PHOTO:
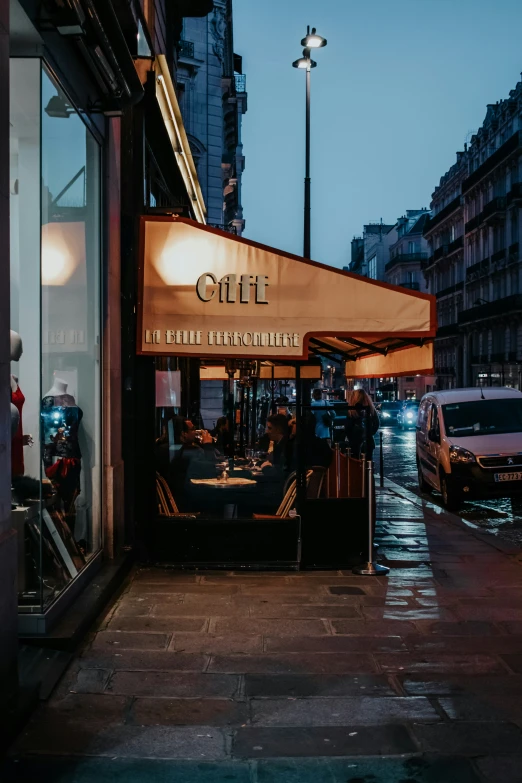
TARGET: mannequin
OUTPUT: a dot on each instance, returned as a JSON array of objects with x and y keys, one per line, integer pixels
[
  {"x": 15, "y": 420},
  {"x": 62, "y": 457},
  {"x": 19, "y": 440}
]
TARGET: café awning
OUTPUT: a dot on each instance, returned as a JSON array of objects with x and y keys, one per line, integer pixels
[{"x": 210, "y": 294}]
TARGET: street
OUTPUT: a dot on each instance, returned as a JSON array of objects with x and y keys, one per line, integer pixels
[{"x": 501, "y": 517}]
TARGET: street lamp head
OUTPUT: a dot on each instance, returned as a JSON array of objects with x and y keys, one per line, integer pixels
[
  {"x": 313, "y": 41},
  {"x": 304, "y": 63}
]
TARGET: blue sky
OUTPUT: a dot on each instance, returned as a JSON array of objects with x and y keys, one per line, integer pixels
[{"x": 395, "y": 94}]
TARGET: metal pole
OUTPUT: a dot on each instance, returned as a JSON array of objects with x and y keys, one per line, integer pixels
[
  {"x": 338, "y": 470},
  {"x": 299, "y": 443},
  {"x": 307, "y": 205},
  {"x": 370, "y": 568},
  {"x": 381, "y": 461}
]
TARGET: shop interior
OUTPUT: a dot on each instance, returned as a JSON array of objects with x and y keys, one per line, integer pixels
[{"x": 55, "y": 339}]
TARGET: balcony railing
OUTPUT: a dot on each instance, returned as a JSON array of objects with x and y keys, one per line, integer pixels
[
  {"x": 440, "y": 252},
  {"x": 455, "y": 245},
  {"x": 451, "y": 289},
  {"x": 186, "y": 49},
  {"x": 510, "y": 146},
  {"x": 448, "y": 330},
  {"x": 411, "y": 285},
  {"x": 240, "y": 79},
  {"x": 472, "y": 224},
  {"x": 515, "y": 194},
  {"x": 493, "y": 210},
  {"x": 406, "y": 258},
  {"x": 479, "y": 269},
  {"x": 504, "y": 306},
  {"x": 513, "y": 253},
  {"x": 498, "y": 257},
  {"x": 434, "y": 220}
]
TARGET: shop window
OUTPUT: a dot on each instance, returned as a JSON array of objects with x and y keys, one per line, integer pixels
[{"x": 55, "y": 323}]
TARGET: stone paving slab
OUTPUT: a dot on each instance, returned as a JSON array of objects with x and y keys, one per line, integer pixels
[
  {"x": 188, "y": 712},
  {"x": 111, "y": 640},
  {"x": 174, "y": 684},
  {"x": 351, "y": 740},
  {"x": 334, "y": 644},
  {"x": 143, "y": 660},
  {"x": 341, "y": 712},
  {"x": 354, "y": 770},
  {"x": 154, "y": 625},
  {"x": 293, "y": 663},
  {"x": 169, "y": 742},
  {"x": 469, "y": 738},
  {"x": 306, "y": 686},
  {"x": 213, "y": 643}
]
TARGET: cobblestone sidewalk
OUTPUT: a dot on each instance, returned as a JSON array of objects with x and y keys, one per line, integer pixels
[{"x": 301, "y": 677}]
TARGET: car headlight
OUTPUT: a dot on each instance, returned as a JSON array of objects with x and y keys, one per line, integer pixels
[
  {"x": 458, "y": 454},
  {"x": 409, "y": 416},
  {"x": 386, "y": 415}
]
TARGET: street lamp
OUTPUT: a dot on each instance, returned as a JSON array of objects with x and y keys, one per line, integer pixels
[{"x": 310, "y": 41}]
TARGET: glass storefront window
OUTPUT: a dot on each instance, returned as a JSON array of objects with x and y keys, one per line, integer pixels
[{"x": 55, "y": 323}]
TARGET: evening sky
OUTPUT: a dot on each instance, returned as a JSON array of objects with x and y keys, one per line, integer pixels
[{"x": 397, "y": 91}]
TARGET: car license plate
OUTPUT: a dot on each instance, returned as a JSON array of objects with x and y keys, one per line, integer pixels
[{"x": 508, "y": 476}]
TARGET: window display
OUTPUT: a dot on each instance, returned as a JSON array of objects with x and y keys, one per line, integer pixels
[{"x": 55, "y": 335}]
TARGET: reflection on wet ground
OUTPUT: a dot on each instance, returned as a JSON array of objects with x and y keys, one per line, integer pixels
[{"x": 502, "y": 516}]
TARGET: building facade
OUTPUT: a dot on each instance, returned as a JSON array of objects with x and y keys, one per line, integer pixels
[
  {"x": 474, "y": 267},
  {"x": 212, "y": 94},
  {"x": 93, "y": 139},
  {"x": 370, "y": 252},
  {"x": 445, "y": 273},
  {"x": 406, "y": 253},
  {"x": 393, "y": 254}
]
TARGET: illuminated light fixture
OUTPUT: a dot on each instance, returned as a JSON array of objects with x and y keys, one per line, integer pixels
[
  {"x": 313, "y": 41},
  {"x": 170, "y": 111},
  {"x": 304, "y": 62},
  {"x": 54, "y": 265}
]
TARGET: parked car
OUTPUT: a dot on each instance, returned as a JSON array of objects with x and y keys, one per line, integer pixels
[
  {"x": 469, "y": 444},
  {"x": 388, "y": 413},
  {"x": 407, "y": 415}
]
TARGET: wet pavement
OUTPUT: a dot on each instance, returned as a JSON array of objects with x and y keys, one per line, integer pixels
[
  {"x": 502, "y": 517},
  {"x": 311, "y": 677}
]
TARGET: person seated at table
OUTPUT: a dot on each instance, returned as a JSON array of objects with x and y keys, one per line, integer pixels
[
  {"x": 221, "y": 433},
  {"x": 194, "y": 457},
  {"x": 278, "y": 433}
]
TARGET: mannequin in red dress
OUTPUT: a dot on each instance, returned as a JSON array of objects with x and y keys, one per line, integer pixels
[{"x": 19, "y": 440}]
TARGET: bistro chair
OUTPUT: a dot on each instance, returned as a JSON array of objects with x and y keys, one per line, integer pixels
[
  {"x": 288, "y": 500},
  {"x": 315, "y": 484},
  {"x": 167, "y": 506}
]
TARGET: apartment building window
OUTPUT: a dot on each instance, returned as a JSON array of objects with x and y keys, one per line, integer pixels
[
  {"x": 514, "y": 226},
  {"x": 372, "y": 267},
  {"x": 413, "y": 247}
]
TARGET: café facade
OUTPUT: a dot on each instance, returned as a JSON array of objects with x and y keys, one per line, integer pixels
[{"x": 234, "y": 320}]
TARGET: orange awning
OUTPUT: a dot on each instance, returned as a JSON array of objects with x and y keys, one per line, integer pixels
[{"x": 208, "y": 293}]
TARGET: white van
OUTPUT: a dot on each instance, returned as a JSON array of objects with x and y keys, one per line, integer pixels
[{"x": 469, "y": 443}]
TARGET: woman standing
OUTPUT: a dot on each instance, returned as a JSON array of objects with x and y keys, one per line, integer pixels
[{"x": 362, "y": 424}]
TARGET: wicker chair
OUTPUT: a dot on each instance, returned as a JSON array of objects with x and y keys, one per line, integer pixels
[
  {"x": 288, "y": 500},
  {"x": 167, "y": 506}
]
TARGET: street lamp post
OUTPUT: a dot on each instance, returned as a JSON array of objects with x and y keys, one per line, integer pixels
[{"x": 310, "y": 41}]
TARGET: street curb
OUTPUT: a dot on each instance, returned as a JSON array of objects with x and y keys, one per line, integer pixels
[{"x": 439, "y": 513}]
